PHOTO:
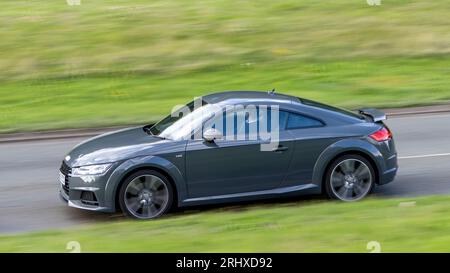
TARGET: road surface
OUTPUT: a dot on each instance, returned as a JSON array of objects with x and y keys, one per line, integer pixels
[{"x": 29, "y": 171}]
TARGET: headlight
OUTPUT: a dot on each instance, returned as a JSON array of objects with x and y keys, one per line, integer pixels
[{"x": 91, "y": 170}]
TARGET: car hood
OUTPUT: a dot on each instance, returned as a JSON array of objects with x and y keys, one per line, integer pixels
[{"x": 113, "y": 147}]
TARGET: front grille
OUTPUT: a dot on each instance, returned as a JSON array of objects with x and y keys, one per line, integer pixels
[{"x": 66, "y": 170}]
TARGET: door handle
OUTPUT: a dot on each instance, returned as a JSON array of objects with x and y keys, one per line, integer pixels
[{"x": 280, "y": 148}]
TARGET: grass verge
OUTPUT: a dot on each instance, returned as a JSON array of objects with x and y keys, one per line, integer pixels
[{"x": 305, "y": 226}]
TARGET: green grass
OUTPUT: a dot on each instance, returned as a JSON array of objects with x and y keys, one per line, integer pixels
[
  {"x": 305, "y": 226},
  {"x": 122, "y": 62}
]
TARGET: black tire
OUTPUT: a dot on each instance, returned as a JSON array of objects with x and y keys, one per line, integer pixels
[
  {"x": 124, "y": 194},
  {"x": 347, "y": 192}
]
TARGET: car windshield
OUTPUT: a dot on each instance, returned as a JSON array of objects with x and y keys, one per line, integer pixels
[{"x": 182, "y": 123}]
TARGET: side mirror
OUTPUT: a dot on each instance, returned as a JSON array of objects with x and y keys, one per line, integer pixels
[{"x": 212, "y": 134}]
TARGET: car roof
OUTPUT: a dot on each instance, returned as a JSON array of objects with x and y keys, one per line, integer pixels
[
  {"x": 329, "y": 113},
  {"x": 246, "y": 95}
]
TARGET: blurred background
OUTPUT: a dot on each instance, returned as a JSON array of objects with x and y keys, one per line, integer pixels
[{"x": 105, "y": 63}]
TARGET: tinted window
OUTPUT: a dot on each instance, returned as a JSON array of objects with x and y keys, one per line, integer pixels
[
  {"x": 245, "y": 122},
  {"x": 282, "y": 117},
  {"x": 232, "y": 123},
  {"x": 296, "y": 121}
]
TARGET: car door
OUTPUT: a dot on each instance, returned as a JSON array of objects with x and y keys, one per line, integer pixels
[
  {"x": 311, "y": 138},
  {"x": 235, "y": 166}
]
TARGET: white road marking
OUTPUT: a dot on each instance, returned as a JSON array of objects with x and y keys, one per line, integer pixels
[{"x": 423, "y": 156}]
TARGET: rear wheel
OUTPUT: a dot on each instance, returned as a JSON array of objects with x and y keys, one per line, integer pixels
[
  {"x": 350, "y": 178},
  {"x": 146, "y": 195}
]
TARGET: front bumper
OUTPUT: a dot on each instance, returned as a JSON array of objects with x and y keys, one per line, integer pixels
[
  {"x": 86, "y": 193},
  {"x": 80, "y": 205}
]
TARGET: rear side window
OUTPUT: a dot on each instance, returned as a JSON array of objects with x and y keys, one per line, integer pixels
[{"x": 296, "y": 121}]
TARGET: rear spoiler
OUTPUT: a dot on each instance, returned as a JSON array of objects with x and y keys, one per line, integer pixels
[{"x": 374, "y": 114}]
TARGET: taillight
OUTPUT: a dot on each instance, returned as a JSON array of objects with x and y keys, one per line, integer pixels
[{"x": 382, "y": 135}]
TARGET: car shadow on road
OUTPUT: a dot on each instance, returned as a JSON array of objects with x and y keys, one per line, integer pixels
[
  {"x": 90, "y": 216},
  {"x": 248, "y": 205}
]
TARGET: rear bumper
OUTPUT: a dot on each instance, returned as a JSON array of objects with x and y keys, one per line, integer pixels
[
  {"x": 389, "y": 166},
  {"x": 388, "y": 176}
]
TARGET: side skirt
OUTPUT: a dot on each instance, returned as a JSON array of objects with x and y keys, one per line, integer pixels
[{"x": 247, "y": 196}]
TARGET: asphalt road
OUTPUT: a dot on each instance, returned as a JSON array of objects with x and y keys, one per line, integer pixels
[{"x": 29, "y": 174}]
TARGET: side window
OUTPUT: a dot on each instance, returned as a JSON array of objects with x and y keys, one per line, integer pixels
[
  {"x": 296, "y": 121},
  {"x": 248, "y": 123},
  {"x": 282, "y": 117},
  {"x": 231, "y": 124}
]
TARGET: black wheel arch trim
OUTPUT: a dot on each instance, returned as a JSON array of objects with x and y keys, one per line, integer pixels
[
  {"x": 130, "y": 166},
  {"x": 343, "y": 147}
]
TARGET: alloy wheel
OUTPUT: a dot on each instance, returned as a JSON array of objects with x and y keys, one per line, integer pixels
[
  {"x": 351, "y": 180},
  {"x": 146, "y": 196}
]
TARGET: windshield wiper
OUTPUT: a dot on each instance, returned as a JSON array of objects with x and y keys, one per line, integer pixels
[{"x": 147, "y": 129}]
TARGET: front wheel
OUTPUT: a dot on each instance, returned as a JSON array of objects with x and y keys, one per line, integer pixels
[
  {"x": 146, "y": 195},
  {"x": 349, "y": 178}
]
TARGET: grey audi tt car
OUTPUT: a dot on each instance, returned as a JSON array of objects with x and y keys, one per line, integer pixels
[{"x": 228, "y": 147}]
